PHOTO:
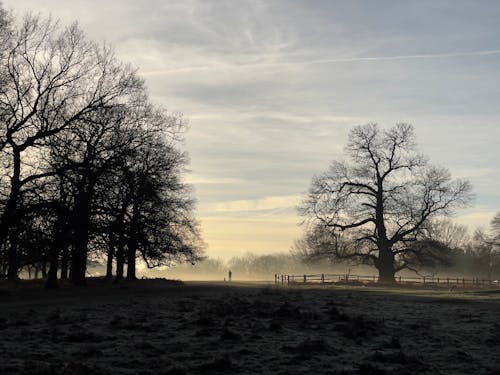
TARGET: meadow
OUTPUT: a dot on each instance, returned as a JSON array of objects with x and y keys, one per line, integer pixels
[{"x": 167, "y": 327}]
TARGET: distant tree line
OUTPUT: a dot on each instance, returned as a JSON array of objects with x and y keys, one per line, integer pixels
[
  {"x": 90, "y": 168},
  {"x": 250, "y": 266}
]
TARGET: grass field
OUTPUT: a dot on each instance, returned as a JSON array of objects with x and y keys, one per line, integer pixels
[{"x": 161, "y": 327}]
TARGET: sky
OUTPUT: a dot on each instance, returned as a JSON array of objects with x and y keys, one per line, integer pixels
[{"x": 271, "y": 88}]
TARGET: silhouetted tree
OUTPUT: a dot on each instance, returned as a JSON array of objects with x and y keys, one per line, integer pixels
[
  {"x": 158, "y": 217},
  {"x": 374, "y": 207},
  {"x": 495, "y": 229},
  {"x": 89, "y": 166},
  {"x": 449, "y": 233},
  {"x": 89, "y": 152},
  {"x": 52, "y": 78}
]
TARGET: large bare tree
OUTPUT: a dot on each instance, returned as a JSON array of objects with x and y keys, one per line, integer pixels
[{"x": 374, "y": 207}]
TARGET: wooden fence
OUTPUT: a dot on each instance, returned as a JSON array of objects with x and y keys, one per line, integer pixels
[{"x": 365, "y": 280}]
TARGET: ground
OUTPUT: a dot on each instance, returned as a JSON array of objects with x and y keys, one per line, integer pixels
[{"x": 160, "y": 327}]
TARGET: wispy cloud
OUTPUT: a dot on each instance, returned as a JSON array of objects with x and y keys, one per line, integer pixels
[
  {"x": 201, "y": 180},
  {"x": 333, "y": 60},
  {"x": 268, "y": 203}
]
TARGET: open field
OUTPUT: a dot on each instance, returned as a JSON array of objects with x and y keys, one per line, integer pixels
[{"x": 160, "y": 327}]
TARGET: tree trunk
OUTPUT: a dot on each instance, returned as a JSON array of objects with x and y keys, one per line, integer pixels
[
  {"x": 8, "y": 219},
  {"x": 12, "y": 272},
  {"x": 5, "y": 264},
  {"x": 43, "y": 267},
  {"x": 132, "y": 243},
  {"x": 51, "y": 282},
  {"x": 385, "y": 267},
  {"x": 109, "y": 262},
  {"x": 386, "y": 275},
  {"x": 120, "y": 261},
  {"x": 131, "y": 251},
  {"x": 120, "y": 253},
  {"x": 81, "y": 223},
  {"x": 64, "y": 262},
  {"x": 57, "y": 244}
]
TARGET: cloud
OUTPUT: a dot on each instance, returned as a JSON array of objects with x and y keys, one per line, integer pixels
[
  {"x": 200, "y": 180},
  {"x": 267, "y": 203},
  {"x": 476, "y": 218},
  {"x": 331, "y": 60}
]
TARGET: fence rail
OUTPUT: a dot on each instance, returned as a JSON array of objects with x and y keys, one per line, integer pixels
[{"x": 323, "y": 278}]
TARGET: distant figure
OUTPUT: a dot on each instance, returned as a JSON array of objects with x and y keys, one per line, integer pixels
[{"x": 229, "y": 274}]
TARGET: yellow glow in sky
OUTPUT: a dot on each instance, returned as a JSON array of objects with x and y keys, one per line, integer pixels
[{"x": 228, "y": 237}]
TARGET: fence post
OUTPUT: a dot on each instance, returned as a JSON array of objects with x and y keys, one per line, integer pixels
[
  {"x": 448, "y": 282},
  {"x": 400, "y": 279},
  {"x": 322, "y": 278},
  {"x": 305, "y": 278},
  {"x": 438, "y": 280},
  {"x": 463, "y": 282},
  {"x": 424, "y": 280},
  {"x": 288, "y": 279},
  {"x": 282, "y": 280}
]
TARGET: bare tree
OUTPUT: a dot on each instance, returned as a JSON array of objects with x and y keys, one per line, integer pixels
[
  {"x": 159, "y": 218},
  {"x": 52, "y": 79},
  {"x": 495, "y": 229},
  {"x": 449, "y": 233},
  {"x": 374, "y": 207}
]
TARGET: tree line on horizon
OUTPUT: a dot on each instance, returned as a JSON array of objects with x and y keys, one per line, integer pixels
[{"x": 90, "y": 168}]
